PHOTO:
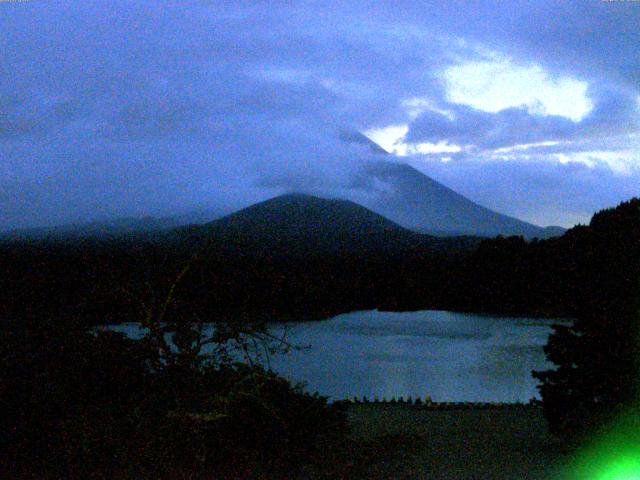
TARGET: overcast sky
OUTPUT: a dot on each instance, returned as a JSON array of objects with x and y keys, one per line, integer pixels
[{"x": 150, "y": 108}]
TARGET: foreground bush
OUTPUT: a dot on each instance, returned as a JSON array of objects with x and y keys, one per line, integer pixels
[{"x": 79, "y": 404}]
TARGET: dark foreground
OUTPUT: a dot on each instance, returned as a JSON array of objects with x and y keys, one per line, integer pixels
[{"x": 400, "y": 442}]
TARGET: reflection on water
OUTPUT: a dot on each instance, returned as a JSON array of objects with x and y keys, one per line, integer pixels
[{"x": 447, "y": 356}]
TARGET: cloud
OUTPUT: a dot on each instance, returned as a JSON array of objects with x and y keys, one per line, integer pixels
[
  {"x": 484, "y": 130},
  {"x": 499, "y": 84},
  {"x": 614, "y": 112}
]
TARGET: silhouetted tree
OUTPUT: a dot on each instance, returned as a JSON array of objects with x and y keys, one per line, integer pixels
[{"x": 597, "y": 358}]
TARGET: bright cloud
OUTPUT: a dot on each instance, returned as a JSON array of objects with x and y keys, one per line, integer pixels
[
  {"x": 495, "y": 85},
  {"x": 392, "y": 139},
  {"x": 440, "y": 147},
  {"x": 621, "y": 162},
  {"x": 389, "y": 138},
  {"x": 526, "y": 146}
]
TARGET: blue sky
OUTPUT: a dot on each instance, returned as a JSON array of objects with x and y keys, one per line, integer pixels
[{"x": 151, "y": 108}]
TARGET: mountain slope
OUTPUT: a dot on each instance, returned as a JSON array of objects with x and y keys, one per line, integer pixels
[
  {"x": 418, "y": 202},
  {"x": 297, "y": 224}
]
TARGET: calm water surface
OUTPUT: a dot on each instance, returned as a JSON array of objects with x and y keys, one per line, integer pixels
[{"x": 447, "y": 356}]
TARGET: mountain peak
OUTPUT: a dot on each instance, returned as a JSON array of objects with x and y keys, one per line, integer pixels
[
  {"x": 297, "y": 210},
  {"x": 300, "y": 224}
]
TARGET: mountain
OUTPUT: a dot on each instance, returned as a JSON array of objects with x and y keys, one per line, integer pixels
[
  {"x": 397, "y": 191},
  {"x": 298, "y": 224},
  {"x": 417, "y": 202}
]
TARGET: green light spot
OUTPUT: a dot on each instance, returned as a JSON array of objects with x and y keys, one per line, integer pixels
[
  {"x": 614, "y": 454},
  {"x": 622, "y": 469}
]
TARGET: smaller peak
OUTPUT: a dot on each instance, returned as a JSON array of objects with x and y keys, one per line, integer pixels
[
  {"x": 295, "y": 195},
  {"x": 293, "y": 200}
]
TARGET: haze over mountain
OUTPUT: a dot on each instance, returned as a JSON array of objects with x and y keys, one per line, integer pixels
[
  {"x": 116, "y": 227},
  {"x": 397, "y": 191}
]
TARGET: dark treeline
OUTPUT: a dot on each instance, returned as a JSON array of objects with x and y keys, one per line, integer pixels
[
  {"x": 563, "y": 276},
  {"x": 104, "y": 280}
]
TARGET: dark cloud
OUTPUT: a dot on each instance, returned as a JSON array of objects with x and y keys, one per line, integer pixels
[
  {"x": 616, "y": 110},
  {"x": 471, "y": 127}
]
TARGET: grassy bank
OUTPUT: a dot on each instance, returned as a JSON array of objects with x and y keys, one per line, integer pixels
[{"x": 400, "y": 442}]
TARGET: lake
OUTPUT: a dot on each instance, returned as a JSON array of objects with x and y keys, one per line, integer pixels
[{"x": 445, "y": 355}]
